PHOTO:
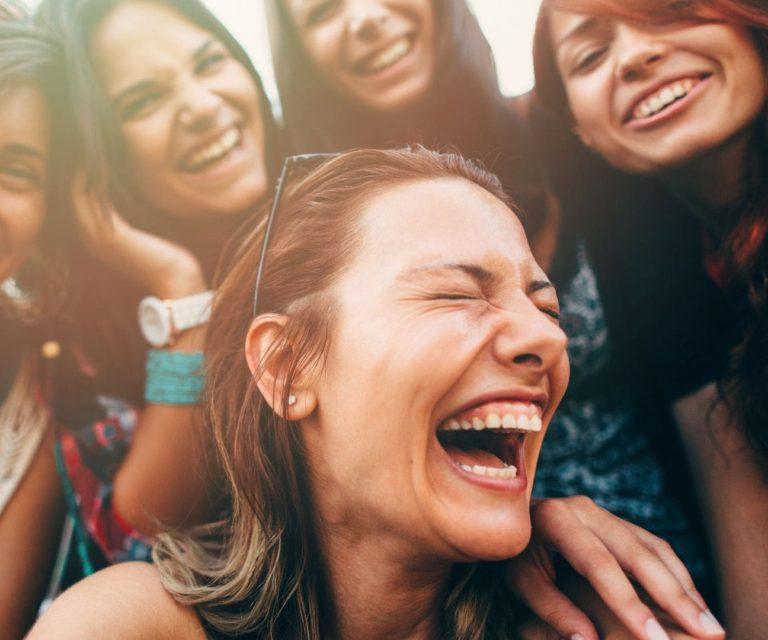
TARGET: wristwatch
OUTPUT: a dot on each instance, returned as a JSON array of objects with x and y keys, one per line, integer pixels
[{"x": 161, "y": 321}]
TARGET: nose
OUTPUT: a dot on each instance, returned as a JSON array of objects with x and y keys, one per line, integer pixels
[
  {"x": 639, "y": 52},
  {"x": 199, "y": 106},
  {"x": 367, "y": 18},
  {"x": 529, "y": 340}
]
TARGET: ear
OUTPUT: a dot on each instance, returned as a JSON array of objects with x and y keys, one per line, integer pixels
[{"x": 267, "y": 352}]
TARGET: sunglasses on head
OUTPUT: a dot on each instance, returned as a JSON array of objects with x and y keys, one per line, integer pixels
[{"x": 292, "y": 164}]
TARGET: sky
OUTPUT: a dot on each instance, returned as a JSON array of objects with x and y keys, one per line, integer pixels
[{"x": 508, "y": 24}]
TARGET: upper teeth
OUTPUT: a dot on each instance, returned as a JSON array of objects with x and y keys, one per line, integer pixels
[
  {"x": 390, "y": 55},
  {"x": 508, "y": 421},
  {"x": 217, "y": 149},
  {"x": 664, "y": 97}
]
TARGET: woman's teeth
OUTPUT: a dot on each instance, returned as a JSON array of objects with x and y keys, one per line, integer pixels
[
  {"x": 215, "y": 151},
  {"x": 392, "y": 54},
  {"x": 663, "y": 98},
  {"x": 510, "y": 421},
  {"x": 509, "y": 472}
]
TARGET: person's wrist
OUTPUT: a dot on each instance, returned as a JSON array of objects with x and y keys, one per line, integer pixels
[{"x": 184, "y": 278}]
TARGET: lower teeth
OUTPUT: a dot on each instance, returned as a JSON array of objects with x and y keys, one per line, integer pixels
[{"x": 509, "y": 471}]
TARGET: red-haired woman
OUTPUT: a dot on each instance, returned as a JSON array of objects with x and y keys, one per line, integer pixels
[
  {"x": 359, "y": 73},
  {"x": 675, "y": 94}
]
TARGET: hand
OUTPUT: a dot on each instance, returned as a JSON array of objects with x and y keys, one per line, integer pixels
[
  {"x": 165, "y": 269},
  {"x": 605, "y": 550}
]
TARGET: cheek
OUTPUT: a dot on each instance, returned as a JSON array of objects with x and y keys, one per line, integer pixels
[
  {"x": 146, "y": 144},
  {"x": 322, "y": 46},
  {"x": 21, "y": 216}
]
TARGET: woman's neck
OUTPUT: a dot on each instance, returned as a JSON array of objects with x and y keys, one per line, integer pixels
[
  {"x": 717, "y": 181},
  {"x": 382, "y": 592}
]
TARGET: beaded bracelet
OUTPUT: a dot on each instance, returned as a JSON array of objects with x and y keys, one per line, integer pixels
[{"x": 174, "y": 377}]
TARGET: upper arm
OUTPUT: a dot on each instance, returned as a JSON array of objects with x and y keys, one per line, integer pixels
[
  {"x": 123, "y": 602},
  {"x": 734, "y": 498},
  {"x": 30, "y": 526}
]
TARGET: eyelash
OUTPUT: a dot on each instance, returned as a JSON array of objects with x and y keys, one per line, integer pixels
[
  {"x": 589, "y": 60},
  {"x": 20, "y": 173},
  {"x": 320, "y": 12},
  {"x": 210, "y": 61},
  {"x": 552, "y": 313},
  {"x": 140, "y": 104}
]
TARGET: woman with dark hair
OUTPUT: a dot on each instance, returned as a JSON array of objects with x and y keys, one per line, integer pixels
[
  {"x": 410, "y": 71},
  {"x": 31, "y": 505},
  {"x": 379, "y": 72},
  {"x": 379, "y": 397},
  {"x": 177, "y": 148},
  {"x": 675, "y": 95}
]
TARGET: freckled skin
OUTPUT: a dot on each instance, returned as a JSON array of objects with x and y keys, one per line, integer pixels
[{"x": 409, "y": 361}]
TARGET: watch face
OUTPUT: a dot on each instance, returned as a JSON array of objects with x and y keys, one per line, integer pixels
[{"x": 154, "y": 322}]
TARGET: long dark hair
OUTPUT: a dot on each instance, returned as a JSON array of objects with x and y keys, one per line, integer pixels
[
  {"x": 464, "y": 109},
  {"x": 30, "y": 56},
  {"x": 102, "y": 310},
  {"x": 743, "y": 254}
]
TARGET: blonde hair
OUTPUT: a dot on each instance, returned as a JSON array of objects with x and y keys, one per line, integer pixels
[{"x": 260, "y": 571}]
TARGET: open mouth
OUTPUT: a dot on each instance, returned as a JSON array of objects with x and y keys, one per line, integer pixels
[
  {"x": 387, "y": 57},
  {"x": 488, "y": 441},
  {"x": 207, "y": 156},
  {"x": 663, "y": 98}
]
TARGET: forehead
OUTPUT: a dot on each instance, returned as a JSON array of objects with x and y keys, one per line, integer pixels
[
  {"x": 139, "y": 35},
  {"x": 567, "y": 26},
  {"x": 23, "y": 117},
  {"x": 448, "y": 218}
]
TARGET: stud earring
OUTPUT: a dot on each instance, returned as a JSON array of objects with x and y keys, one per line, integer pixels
[{"x": 291, "y": 400}]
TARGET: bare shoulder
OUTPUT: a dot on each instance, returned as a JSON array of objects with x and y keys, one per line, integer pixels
[{"x": 124, "y": 602}]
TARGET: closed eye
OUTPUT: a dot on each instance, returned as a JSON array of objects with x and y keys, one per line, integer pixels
[
  {"x": 141, "y": 105},
  {"x": 554, "y": 313},
  {"x": 589, "y": 60}
]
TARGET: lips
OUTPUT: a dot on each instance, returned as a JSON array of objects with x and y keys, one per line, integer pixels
[
  {"x": 662, "y": 96},
  {"x": 487, "y": 440},
  {"x": 207, "y": 154},
  {"x": 385, "y": 57}
]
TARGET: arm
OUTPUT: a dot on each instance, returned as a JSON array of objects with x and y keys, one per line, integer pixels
[
  {"x": 167, "y": 479},
  {"x": 734, "y": 497},
  {"x": 30, "y": 527},
  {"x": 123, "y": 602}
]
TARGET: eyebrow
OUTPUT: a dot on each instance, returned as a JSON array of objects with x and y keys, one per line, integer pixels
[
  {"x": 16, "y": 148},
  {"x": 474, "y": 271},
  {"x": 585, "y": 25},
  {"x": 539, "y": 285},
  {"x": 142, "y": 85}
]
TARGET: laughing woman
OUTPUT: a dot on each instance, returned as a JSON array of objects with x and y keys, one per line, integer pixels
[
  {"x": 177, "y": 148},
  {"x": 340, "y": 374},
  {"x": 31, "y": 504},
  {"x": 356, "y": 73},
  {"x": 678, "y": 93}
]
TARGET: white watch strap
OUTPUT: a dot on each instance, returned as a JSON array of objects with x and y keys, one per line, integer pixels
[{"x": 191, "y": 311}]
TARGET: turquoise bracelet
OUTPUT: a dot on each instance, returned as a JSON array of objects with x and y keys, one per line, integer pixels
[{"x": 174, "y": 377}]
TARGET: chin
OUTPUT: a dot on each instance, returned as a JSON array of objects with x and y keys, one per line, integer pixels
[{"x": 489, "y": 537}]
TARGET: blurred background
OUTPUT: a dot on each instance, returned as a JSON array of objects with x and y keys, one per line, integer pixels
[{"x": 508, "y": 25}]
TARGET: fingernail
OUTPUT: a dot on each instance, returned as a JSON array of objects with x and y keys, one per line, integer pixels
[
  {"x": 577, "y": 636},
  {"x": 653, "y": 630},
  {"x": 709, "y": 623}
]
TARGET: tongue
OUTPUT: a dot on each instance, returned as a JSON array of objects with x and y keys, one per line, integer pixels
[{"x": 474, "y": 457}]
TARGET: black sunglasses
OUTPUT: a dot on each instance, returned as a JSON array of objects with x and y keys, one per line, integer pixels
[{"x": 306, "y": 162}]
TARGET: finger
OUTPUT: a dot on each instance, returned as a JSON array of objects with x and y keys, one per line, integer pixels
[
  {"x": 589, "y": 556},
  {"x": 536, "y": 590},
  {"x": 669, "y": 558}
]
